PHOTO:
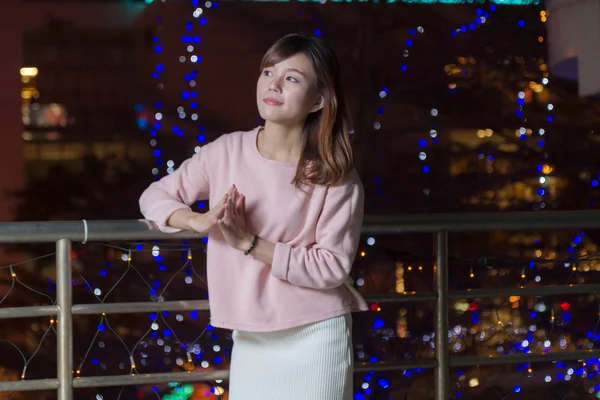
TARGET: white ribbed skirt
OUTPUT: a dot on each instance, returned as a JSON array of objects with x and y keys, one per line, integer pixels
[{"x": 312, "y": 361}]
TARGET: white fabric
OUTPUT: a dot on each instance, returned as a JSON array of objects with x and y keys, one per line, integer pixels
[{"x": 313, "y": 361}]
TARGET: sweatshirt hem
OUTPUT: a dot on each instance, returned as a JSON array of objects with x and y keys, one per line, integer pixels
[{"x": 284, "y": 325}]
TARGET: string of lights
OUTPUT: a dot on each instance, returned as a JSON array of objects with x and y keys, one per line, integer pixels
[
  {"x": 157, "y": 118},
  {"x": 160, "y": 334},
  {"x": 189, "y": 110},
  {"x": 528, "y": 336},
  {"x": 500, "y": 329},
  {"x": 538, "y": 87}
]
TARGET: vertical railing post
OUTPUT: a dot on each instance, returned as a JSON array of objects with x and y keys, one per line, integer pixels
[
  {"x": 442, "y": 371},
  {"x": 64, "y": 291}
]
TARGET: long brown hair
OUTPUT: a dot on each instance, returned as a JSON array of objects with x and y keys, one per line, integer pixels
[{"x": 327, "y": 155}]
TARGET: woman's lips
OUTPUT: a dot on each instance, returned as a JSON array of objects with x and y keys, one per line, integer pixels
[{"x": 272, "y": 102}]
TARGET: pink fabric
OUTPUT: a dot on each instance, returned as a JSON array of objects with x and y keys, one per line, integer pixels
[{"x": 316, "y": 232}]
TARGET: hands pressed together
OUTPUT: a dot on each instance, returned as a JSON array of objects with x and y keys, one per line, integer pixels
[
  {"x": 233, "y": 222},
  {"x": 230, "y": 216}
]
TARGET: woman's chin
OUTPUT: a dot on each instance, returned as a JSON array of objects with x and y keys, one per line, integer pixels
[
  {"x": 278, "y": 119},
  {"x": 272, "y": 119}
]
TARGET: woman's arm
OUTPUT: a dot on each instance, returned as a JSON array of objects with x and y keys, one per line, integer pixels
[
  {"x": 181, "y": 218},
  {"x": 329, "y": 261},
  {"x": 167, "y": 201}
]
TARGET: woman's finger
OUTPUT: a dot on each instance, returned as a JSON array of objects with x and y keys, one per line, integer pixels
[
  {"x": 231, "y": 208},
  {"x": 239, "y": 205},
  {"x": 218, "y": 213},
  {"x": 227, "y": 213},
  {"x": 234, "y": 197},
  {"x": 223, "y": 201}
]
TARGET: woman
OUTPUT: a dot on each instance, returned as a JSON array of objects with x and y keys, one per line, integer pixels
[{"x": 284, "y": 229}]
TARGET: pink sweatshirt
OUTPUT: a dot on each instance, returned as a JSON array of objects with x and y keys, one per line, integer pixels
[{"x": 316, "y": 235}]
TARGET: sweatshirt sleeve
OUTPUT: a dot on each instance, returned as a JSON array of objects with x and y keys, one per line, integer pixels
[
  {"x": 328, "y": 262},
  {"x": 187, "y": 184}
]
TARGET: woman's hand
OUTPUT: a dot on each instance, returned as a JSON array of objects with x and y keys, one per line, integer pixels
[
  {"x": 233, "y": 223},
  {"x": 203, "y": 223}
]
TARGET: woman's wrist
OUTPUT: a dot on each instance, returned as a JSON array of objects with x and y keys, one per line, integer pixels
[{"x": 247, "y": 243}]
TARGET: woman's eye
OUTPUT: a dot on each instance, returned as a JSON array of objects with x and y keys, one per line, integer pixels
[
  {"x": 292, "y": 79},
  {"x": 267, "y": 73}
]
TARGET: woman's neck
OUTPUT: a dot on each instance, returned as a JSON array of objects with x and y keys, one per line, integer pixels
[{"x": 280, "y": 143}]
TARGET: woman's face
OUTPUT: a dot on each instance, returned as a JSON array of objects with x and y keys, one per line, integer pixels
[{"x": 287, "y": 91}]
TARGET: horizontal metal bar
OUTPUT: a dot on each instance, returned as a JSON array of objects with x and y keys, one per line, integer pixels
[
  {"x": 28, "y": 312},
  {"x": 470, "y": 361},
  {"x": 142, "y": 379},
  {"x": 414, "y": 297},
  {"x": 407, "y": 297},
  {"x": 481, "y": 222},
  {"x": 29, "y": 385},
  {"x": 39, "y": 232},
  {"x": 138, "y": 307},
  {"x": 97, "y": 231},
  {"x": 394, "y": 365},
  {"x": 146, "y": 379},
  {"x": 203, "y": 305},
  {"x": 526, "y": 291}
]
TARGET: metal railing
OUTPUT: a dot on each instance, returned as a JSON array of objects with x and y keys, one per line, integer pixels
[{"x": 65, "y": 233}]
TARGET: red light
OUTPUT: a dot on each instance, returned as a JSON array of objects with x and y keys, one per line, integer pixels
[
  {"x": 473, "y": 307},
  {"x": 140, "y": 395},
  {"x": 374, "y": 307},
  {"x": 565, "y": 306}
]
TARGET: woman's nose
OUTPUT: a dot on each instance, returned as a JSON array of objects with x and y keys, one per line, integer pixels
[{"x": 275, "y": 85}]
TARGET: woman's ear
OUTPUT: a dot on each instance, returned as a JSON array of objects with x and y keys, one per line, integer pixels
[{"x": 319, "y": 104}]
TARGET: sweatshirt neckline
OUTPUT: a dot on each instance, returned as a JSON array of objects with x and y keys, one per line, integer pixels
[{"x": 254, "y": 146}]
